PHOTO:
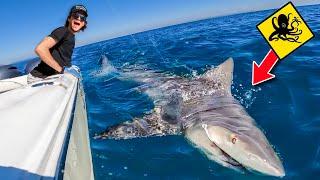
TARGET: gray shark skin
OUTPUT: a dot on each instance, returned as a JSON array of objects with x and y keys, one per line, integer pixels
[
  {"x": 204, "y": 111},
  {"x": 103, "y": 60}
]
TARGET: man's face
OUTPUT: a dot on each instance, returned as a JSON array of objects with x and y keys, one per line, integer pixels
[{"x": 77, "y": 21}]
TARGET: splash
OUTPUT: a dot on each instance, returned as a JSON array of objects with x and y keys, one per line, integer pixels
[
  {"x": 105, "y": 68},
  {"x": 245, "y": 96}
]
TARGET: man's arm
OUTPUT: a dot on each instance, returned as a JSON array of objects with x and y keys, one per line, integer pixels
[{"x": 43, "y": 51}]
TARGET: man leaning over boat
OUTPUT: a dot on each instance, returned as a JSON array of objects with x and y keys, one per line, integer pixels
[{"x": 55, "y": 50}]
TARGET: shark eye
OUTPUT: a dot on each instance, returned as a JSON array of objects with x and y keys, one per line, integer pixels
[{"x": 234, "y": 139}]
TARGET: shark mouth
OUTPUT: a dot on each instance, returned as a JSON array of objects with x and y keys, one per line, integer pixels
[{"x": 232, "y": 163}]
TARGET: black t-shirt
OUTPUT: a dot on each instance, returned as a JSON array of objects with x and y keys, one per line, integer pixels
[{"x": 61, "y": 52}]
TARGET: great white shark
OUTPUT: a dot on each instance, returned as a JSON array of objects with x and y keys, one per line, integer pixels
[{"x": 202, "y": 109}]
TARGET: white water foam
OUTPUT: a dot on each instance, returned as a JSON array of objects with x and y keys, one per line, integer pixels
[{"x": 105, "y": 67}]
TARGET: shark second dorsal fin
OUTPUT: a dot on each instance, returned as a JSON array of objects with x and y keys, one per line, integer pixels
[{"x": 222, "y": 74}]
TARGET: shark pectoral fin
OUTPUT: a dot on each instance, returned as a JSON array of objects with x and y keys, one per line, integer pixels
[
  {"x": 223, "y": 74},
  {"x": 149, "y": 125}
]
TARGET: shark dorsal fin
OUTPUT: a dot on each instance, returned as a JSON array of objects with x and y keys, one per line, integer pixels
[{"x": 222, "y": 74}]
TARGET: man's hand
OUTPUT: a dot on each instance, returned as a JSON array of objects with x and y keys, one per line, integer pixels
[{"x": 73, "y": 70}]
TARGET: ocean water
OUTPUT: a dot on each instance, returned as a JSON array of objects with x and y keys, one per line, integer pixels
[{"x": 287, "y": 108}]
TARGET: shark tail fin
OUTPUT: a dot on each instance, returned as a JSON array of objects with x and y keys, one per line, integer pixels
[{"x": 222, "y": 74}]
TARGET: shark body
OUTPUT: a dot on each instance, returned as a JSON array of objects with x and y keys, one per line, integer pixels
[{"x": 205, "y": 112}]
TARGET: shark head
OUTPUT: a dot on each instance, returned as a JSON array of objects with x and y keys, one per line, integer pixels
[
  {"x": 228, "y": 135},
  {"x": 250, "y": 148}
]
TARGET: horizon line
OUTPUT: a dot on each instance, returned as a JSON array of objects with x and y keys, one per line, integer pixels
[
  {"x": 180, "y": 23},
  {"x": 155, "y": 27}
]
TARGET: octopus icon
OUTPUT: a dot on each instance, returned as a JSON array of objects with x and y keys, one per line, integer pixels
[{"x": 284, "y": 30}]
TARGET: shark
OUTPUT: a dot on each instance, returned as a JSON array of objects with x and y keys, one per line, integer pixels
[{"x": 203, "y": 110}]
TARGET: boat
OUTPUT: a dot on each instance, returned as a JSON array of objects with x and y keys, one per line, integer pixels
[{"x": 44, "y": 129}]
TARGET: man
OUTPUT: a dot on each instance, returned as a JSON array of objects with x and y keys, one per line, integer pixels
[{"x": 55, "y": 50}]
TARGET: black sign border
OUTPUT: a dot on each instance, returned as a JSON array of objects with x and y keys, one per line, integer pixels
[{"x": 301, "y": 19}]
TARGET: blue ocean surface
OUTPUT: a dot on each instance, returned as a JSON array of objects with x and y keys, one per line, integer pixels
[{"x": 286, "y": 108}]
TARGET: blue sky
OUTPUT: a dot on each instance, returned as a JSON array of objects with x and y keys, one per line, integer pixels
[{"x": 25, "y": 23}]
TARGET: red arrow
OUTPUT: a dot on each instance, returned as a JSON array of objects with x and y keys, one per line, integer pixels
[{"x": 261, "y": 73}]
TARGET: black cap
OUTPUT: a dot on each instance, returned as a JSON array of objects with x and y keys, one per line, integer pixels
[{"x": 79, "y": 8}]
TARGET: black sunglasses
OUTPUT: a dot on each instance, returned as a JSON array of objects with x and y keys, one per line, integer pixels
[{"x": 79, "y": 15}]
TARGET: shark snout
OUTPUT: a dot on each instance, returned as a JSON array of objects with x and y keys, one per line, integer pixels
[
  {"x": 279, "y": 172},
  {"x": 272, "y": 169}
]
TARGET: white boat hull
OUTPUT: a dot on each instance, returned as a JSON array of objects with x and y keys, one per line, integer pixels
[{"x": 35, "y": 120}]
